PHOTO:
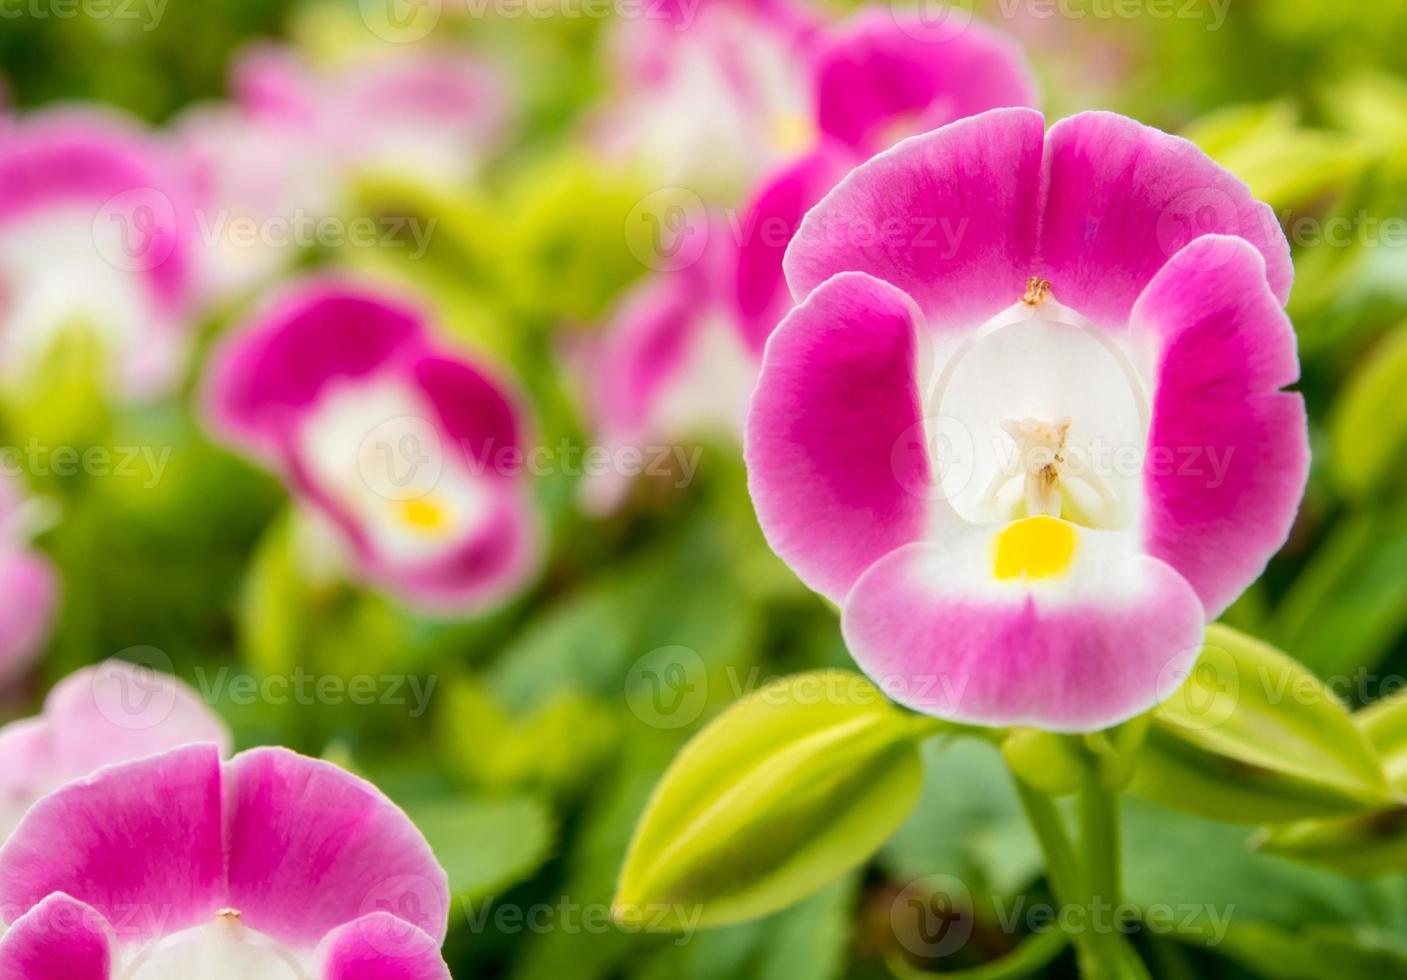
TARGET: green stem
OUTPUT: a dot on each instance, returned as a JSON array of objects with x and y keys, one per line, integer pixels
[
  {"x": 1023, "y": 961},
  {"x": 1100, "y": 844}
]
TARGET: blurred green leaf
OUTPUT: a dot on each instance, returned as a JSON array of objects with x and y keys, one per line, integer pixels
[
  {"x": 484, "y": 845},
  {"x": 1369, "y": 423}
]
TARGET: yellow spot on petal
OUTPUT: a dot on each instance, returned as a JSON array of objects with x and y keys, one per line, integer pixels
[
  {"x": 424, "y": 515},
  {"x": 1034, "y": 547}
]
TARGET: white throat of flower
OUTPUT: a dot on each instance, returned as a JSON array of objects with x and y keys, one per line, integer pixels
[
  {"x": 220, "y": 950},
  {"x": 1038, "y": 412}
]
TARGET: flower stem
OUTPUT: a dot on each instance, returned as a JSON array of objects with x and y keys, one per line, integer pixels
[{"x": 1086, "y": 881}]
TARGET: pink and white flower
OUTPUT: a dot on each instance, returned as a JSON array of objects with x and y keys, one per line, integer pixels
[
  {"x": 28, "y": 583},
  {"x": 112, "y": 712},
  {"x": 271, "y": 865},
  {"x": 95, "y": 234},
  {"x": 407, "y": 449},
  {"x": 429, "y": 114},
  {"x": 1032, "y": 463},
  {"x": 714, "y": 93},
  {"x": 881, "y": 76},
  {"x": 681, "y": 353},
  {"x": 271, "y": 165}
]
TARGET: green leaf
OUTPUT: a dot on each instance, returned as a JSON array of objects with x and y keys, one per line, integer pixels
[
  {"x": 1366, "y": 844},
  {"x": 785, "y": 791},
  {"x": 1252, "y": 736},
  {"x": 1369, "y": 422},
  {"x": 486, "y": 845},
  {"x": 1349, "y": 604}
]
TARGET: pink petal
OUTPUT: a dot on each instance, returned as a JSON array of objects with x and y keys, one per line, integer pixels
[
  {"x": 767, "y": 228},
  {"x": 29, "y": 586},
  {"x": 105, "y": 162},
  {"x": 118, "y": 711},
  {"x": 1121, "y": 200},
  {"x": 475, "y": 411},
  {"x": 264, "y": 377},
  {"x": 1228, "y": 453},
  {"x": 58, "y": 939},
  {"x": 380, "y": 946},
  {"x": 837, "y": 464},
  {"x": 949, "y": 217},
  {"x": 1118, "y": 639},
  {"x": 883, "y": 71},
  {"x": 139, "y": 842},
  {"x": 312, "y": 847}
]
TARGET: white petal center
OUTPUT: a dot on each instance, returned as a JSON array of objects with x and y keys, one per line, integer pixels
[
  {"x": 222, "y": 950},
  {"x": 1041, "y": 413}
]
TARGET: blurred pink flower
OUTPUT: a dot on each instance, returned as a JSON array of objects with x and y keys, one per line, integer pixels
[
  {"x": 712, "y": 94},
  {"x": 267, "y": 167},
  {"x": 429, "y": 114},
  {"x": 1031, "y": 461},
  {"x": 180, "y": 865},
  {"x": 414, "y": 454},
  {"x": 28, "y": 583},
  {"x": 680, "y": 355},
  {"x": 111, "y": 712},
  {"x": 96, "y": 231}
]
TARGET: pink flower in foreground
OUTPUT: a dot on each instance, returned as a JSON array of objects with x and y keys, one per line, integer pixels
[
  {"x": 413, "y": 453},
  {"x": 96, "y": 234},
  {"x": 1032, "y": 460},
  {"x": 271, "y": 865},
  {"x": 29, "y": 585},
  {"x": 94, "y": 717}
]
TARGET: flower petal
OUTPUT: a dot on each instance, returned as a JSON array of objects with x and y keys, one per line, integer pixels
[
  {"x": 312, "y": 847},
  {"x": 1228, "y": 453},
  {"x": 1123, "y": 198},
  {"x": 944, "y": 629},
  {"x": 30, "y": 587},
  {"x": 837, "y": 464},
  {"x": 771, "y": 220},
  {"x": 949, "y": 217},
  {"x": 116, "y": 711},
  {"x": 380, "y": 946},
  {"x": 883, "y": 70},
  {"x": 265, "y": 377},
  {"x": 58, "y": 939},
  {"x": 140, "y": 842}
]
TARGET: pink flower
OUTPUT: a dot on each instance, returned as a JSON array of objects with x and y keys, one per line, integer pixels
[
  {"x": 95, "y": 232},
  {"x": 881, "y": 76},
  {"x": 269, "y": 865},
  {"x": 28, "y": 583},
  {"x": 431, "y": 114},
  {"x": 412, "y": 453},
  {"x": 680, "y": 356},
  {"x": 112, "y": 712},
  {"x": 279, "y": 159},
  {"x": 714, "y": 93},
  {"x": 1031, "y": 456}
]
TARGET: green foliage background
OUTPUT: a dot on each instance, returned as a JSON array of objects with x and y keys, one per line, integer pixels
[{"x": 540, "y": 743}]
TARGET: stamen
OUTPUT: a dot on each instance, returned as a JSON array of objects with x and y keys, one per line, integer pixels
[{"x": 1037, "y": 289}]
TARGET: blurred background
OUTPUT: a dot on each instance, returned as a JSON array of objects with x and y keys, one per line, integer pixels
[{"x": 525, "y": 737}]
